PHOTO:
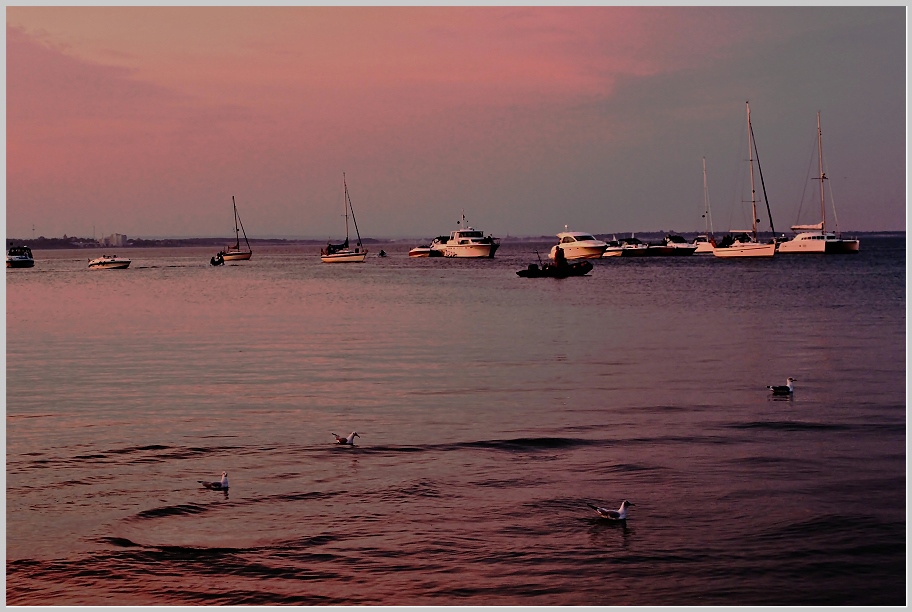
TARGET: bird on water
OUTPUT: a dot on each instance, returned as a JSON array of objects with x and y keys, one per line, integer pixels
[
  {"x": 786, "y": 389},
  {"x": 350, "y": 440},
  {"x": 613, "y": 515},
  {"x": 218, "y": 485}
]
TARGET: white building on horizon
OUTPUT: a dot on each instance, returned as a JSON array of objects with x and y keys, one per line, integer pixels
[{"x": 114, "y": 240}]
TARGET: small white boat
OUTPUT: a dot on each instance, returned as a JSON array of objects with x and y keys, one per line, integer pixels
[
  {"x": 109, "y": 262},
  {"x": 343, "y": 253},
  {"x": 745, "y": 243},
  {"x": 579, "y": 245},
  {"x": 420, "y": 251},
  {"x": 703, "y": 244},
  {"x": 236, "y": 253},
  {"x": 19, "y": 257},
  {"x": 815, "y": 238},
  {"x": 469, "y": 242},
  {"x": 613, "y": 248},
  {"x": 676, "y": 245}
]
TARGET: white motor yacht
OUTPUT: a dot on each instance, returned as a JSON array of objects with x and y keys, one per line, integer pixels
[
  {"x": 109, "y": 262},
  {"x": 468, "y": 242},
  {"x": 579, "y": 245}
]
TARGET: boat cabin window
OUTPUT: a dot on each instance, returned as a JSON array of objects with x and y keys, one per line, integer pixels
[
  {"x": 585, "y": 237},
  {"x": 469, "y": 234},
  {"x": 567, "y": 239}
]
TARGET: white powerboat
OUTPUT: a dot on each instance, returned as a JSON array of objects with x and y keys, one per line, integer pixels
[
  {"x": 676, "y": 245},
  {"x": 469, "y": 242},
  {"x": 109, "y": 262},
  {"x": 579, "y": 245},
  {"x": 342, "y": 253},
  {"x": 703, "y": 244},
  {"x": 815, "y": 238},
  {"x": 19, "y": 257},
  {"x": 745, "y": 243}
]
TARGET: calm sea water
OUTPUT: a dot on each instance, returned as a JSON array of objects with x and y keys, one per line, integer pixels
[{"x": 491, "y": 409}]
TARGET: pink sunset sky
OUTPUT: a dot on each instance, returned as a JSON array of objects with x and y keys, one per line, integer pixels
[{"x": 145, "y": 121}]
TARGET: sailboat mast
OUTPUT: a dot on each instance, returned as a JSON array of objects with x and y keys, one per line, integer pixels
[
  {"x": 237, "y": 230},
  {"x": 345, "y": 207},
  {"x": 822, "y": 175},
  {"x": 750, "y": 157},
  {"x": 706, "y": 212}
]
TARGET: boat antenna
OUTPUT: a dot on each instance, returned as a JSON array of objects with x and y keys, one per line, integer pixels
[
  {"x": 537, "y": 254},
  {"x": 348, "y": 199},
  {"x": 762, "y": 184}
]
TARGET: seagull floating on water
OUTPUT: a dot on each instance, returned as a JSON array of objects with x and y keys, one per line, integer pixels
[
  {"x": 350, "y": 440},
  {"x": 613, "y": 515},
  {"x": 220, "y": 485},
  {"x": 786, "y": 389}
]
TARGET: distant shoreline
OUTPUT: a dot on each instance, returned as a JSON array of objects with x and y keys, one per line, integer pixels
[{"x": 42, "y": 243}]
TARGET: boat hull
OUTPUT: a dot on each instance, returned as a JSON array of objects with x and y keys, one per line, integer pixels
[
  {"x": 237, "y": 255},
  {"x": 746, "y": 249},
  {"x": 15, "y": 262},
  {"x": 580, "y": 252},
  {"x": 420, "y": 252},
  {"x": 478, "y": 251},
  {"x": 580, "y": 268},
  {"x": 704, "y": 247},
  {"x": 109, "y": 265},
  {"x": 345, "y": 257},
  {"x": 819, "y": 243}
]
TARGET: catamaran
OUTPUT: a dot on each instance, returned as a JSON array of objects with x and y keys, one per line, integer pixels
[
  {"x": 340, "y": 253},
  {"x": 815, "y": 238}
]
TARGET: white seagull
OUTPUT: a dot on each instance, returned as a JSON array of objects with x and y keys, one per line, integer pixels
[
  {"x": 786, "y": 389},
  {"x": 220, "y": 485},
  {"x": 350, "y": 440},
  {"x": 613, "y": 515}
]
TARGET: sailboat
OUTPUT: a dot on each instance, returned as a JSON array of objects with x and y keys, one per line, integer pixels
[
  {"x": 705, "y": 242},
  {"x": 342, "y": 252},
  {"x": 815, "y": 238},
  {"x": 745, "y": 243},
  {"x": 236, "y": 253}
]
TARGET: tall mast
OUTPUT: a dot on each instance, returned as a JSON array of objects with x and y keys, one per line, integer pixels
[
  {"x": 237, "y": 230},
  {"x": 345, "y": 207},
  {"x": 706, "y": 212},
  {"x": 822, "y": 175},
  {"x": 750, "y": 156}
]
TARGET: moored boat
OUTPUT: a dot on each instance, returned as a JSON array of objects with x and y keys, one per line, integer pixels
[
  {"x": 19, "y": 257},
  {"x": 676, "y": 245},
  {"x": 580, "y": 267},
  {"x": 342, "y": 253},
  {"x": 420, "y": 251},
  {"x": 579, "y": 245},
  {"x": 745, "y": 243},
  {"x": 469, "y": 242},
  {"x": 109, "y": 262},
  {"x": 815, "y": 238},
  {"x": 236, "y": 253}
]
